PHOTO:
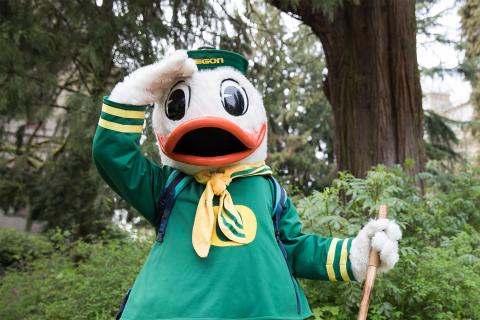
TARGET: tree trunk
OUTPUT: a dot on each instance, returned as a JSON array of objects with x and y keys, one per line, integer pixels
[{"x": 372, "y": 83}]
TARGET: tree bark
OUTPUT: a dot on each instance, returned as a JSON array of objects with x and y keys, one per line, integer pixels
[{"x": 372, "y": 83}]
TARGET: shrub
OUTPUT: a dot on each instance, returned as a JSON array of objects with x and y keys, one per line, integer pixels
[
  {"x": 17, "y": 249},
  {"x": 78, "y": 280},
  {"x": 438, "y": 276}
]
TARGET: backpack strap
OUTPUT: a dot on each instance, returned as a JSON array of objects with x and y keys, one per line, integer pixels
[
  {"x": 176, "y": 182},
  {"x": 279, "y": 210},
  {"x": 118, "y": 316}
]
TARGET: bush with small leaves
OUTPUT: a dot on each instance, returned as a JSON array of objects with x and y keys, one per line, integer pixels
[
  {"x": 79, "y": 280},
  {"x": 437, "y": 277}
]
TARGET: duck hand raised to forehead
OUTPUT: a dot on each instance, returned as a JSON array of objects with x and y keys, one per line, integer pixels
[{"x": 145, "y": 85}]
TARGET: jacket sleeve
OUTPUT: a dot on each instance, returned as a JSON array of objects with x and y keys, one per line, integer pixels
[
  {"x": 117, "y": 156},
  {"x": 311, "y": 256}
]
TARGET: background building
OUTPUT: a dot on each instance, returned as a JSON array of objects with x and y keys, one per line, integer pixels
[{"x": 461, "y": 114}]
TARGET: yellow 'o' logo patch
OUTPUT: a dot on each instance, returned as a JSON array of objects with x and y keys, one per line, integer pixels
[{"x": 249, "y": 225}]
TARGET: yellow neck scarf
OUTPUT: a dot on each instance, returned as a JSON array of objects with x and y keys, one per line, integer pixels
[{"x": 228, "y": 219}]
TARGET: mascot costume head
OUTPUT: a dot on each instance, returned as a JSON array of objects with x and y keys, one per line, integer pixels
[{"x": 213, "y": 119}]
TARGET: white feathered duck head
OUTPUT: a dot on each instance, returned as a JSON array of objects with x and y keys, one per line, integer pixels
[{"x": 213, "y": 118}]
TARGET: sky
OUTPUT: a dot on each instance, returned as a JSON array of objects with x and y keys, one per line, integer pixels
[{"x": 431, "y": 54}]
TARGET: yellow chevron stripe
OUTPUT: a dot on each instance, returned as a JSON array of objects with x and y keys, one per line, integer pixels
[
  {"x": 260, "y": 169},
  {"x": 343, "y": 261},
  {"x": 330, "y": 259},
  {"x": 125, "y": 128},
  {"x": 123, "y": 113},
  {"x": 231, "y": 222}
]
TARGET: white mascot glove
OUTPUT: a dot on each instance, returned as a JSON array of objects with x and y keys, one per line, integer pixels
[
  {"x": 383, "y": 236},
  {"x": 147, "y": 84}
]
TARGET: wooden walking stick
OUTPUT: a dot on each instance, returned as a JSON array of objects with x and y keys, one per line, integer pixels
[{"x": 373, "y": 262}]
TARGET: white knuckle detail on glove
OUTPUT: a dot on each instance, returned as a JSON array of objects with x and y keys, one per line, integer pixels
[
  {"x": 375, "y": 226},
  {"x": 147, "y": 84},
  {"x": 383, "y": 236},
  {"x": 379, "y": 240},
  {"x": 393, "y": 231}
]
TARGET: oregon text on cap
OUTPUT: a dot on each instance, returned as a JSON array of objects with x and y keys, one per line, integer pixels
[{"x": 209, "y": 61}]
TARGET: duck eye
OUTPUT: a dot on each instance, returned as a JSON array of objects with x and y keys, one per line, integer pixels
[
  {"x": 234, "y": 97},
  {"x": 177, "y": 101}
]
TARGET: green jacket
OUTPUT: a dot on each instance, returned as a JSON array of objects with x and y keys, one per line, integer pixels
[{"x": 250, "y": 281}]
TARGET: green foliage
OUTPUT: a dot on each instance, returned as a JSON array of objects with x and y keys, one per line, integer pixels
[
  {"x": 470, "y": 13},
  {"x": 67, "y": 192},
  {"x": 57, "y": 59},
  {"x": 437, "y": 277},
  {"x": 60, "y": 57},
  {"x": 438, "y": 273},
  {"x": 288, "y": 71},
  {"x": 14, "y": 182},
  {"x": 327, "y": 7},
  {"x": 440, "y": 138},
  {"x": 19, "y": 249},
  {"x": 78, "y": 280}
]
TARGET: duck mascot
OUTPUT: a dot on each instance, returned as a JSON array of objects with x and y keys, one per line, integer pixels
[{"x": 229, "y": 241}]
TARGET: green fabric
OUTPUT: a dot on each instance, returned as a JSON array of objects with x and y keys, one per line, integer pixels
[
  {"x": 123, "y": 106},
  {"x": 121, "y": 120},
  {"x": 214, "y": 58},
  {"x": 349, "y": 263},
  {"x": 336, "y": 261},
  {"x": 241, "y": 282},
  {"x": 119, "y": 161},
  {"x": 307, "y": 253},
  {"x": 231, "y": 228}
]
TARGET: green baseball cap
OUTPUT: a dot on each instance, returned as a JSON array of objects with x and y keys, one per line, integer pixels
[{"x": 210, "y": 58}]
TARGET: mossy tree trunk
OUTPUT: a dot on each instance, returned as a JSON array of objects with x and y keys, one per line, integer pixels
[{"x": 373, "y": 81}]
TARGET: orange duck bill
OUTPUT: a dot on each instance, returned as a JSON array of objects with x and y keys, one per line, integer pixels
[{"x": 210, "y": 141}]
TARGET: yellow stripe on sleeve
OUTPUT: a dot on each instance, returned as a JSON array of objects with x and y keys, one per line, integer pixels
[
  {"x": 343, "y": 261},
  {"x": 125, "y": 128},
  {"x": 129, "y": 114},
  {"x": 330, "y": 259}
]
